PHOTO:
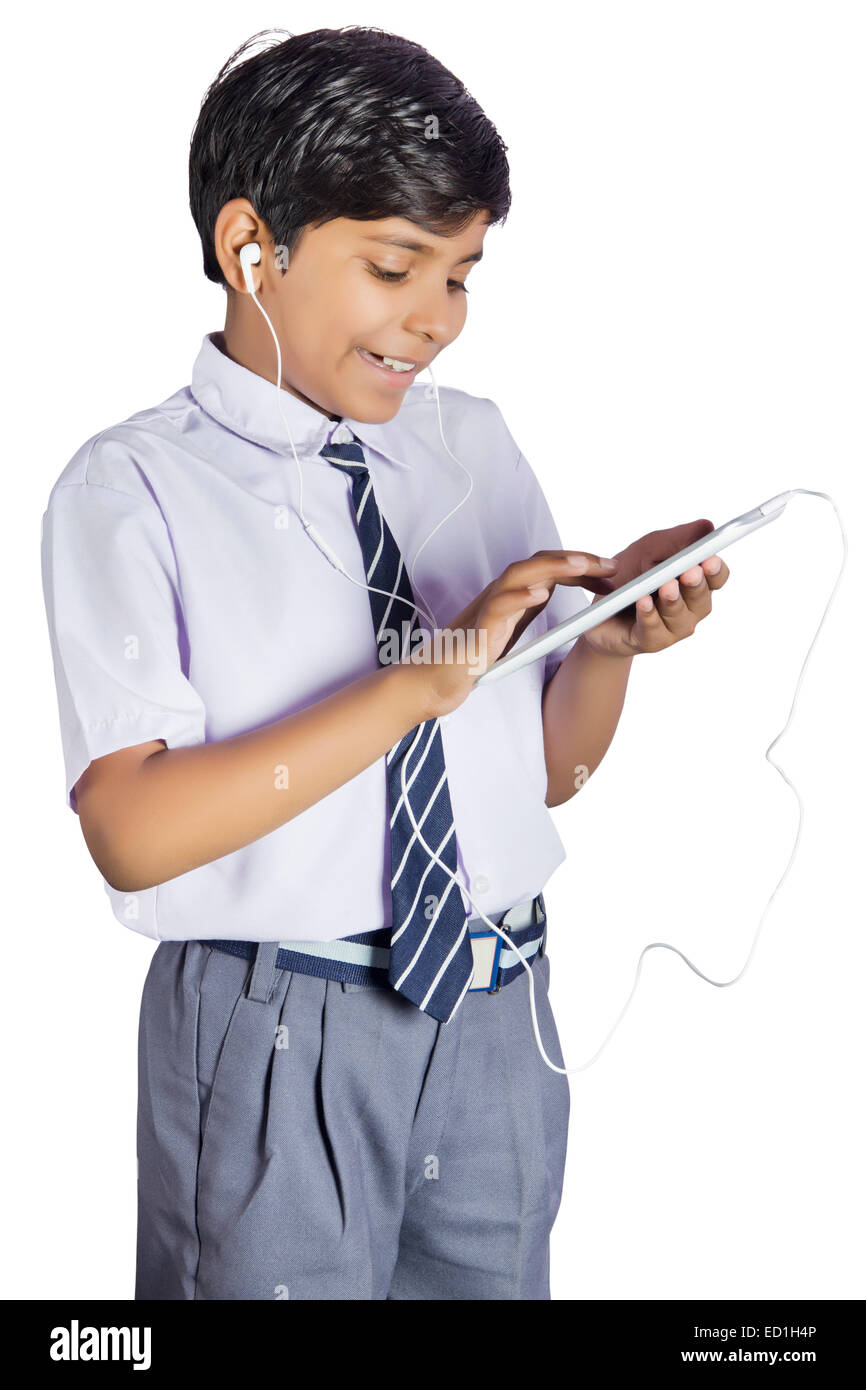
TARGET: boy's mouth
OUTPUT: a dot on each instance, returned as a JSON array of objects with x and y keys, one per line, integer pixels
[{"x": 398, "y": 370}]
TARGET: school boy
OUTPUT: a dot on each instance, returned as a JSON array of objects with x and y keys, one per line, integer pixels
[{"x": 331, "y": 1104}]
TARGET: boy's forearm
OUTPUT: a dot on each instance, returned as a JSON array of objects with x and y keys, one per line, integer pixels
[
  {"x": 185, "y": 807},
  {"x": 581, "y": 705}
]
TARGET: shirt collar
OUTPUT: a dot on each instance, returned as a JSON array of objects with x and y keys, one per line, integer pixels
[{"x": 244, "y": 403}]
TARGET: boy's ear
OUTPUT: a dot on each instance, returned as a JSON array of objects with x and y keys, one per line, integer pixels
[{"x": 236, "y": 228}]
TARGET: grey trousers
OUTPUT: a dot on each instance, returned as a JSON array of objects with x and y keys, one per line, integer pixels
[{"x": 300, "y": 1138}]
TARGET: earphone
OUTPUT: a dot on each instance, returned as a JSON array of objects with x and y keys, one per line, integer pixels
[{"x": 250, "y": 255}]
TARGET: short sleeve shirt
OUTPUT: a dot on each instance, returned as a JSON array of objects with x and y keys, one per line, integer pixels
[{"x": 186, "y": 603}]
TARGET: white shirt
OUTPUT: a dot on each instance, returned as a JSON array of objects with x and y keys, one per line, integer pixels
[{"x": 186, "y": 603}]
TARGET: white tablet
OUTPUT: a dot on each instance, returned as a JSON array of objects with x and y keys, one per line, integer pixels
[{"x": 646, "y": 583}]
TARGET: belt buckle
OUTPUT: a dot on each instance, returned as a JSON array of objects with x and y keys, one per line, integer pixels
[{"x": 486, "y": 960}]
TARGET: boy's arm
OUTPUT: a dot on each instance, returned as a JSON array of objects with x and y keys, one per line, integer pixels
[
  {"x": 580, "y": 707},
  {"x": 148, "y": 819},
  {"x": 150, "y": 814}
]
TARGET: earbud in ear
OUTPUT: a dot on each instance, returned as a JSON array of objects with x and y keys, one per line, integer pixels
[{"x": 251, "y": 254}]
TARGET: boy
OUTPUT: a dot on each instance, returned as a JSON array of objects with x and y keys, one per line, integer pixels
[{"x": 330, "y": 1105}]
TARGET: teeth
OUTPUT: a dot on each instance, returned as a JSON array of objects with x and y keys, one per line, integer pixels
[{"x": 396, "y": 365}]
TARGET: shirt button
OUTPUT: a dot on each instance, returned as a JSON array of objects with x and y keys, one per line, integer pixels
[
  {"x": 342, "y": 435},
  {"x": 480, "y": 883}
]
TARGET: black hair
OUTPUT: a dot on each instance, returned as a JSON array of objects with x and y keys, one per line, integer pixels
[{"x": 353, "y": 122}]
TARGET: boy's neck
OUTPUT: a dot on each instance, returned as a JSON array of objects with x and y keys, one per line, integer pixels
[{"x": 233, "y": 344}]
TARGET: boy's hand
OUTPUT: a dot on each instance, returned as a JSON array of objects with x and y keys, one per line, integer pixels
[
  {"x": 658, "y": 621},
  {"x": 494, "y": 621}
]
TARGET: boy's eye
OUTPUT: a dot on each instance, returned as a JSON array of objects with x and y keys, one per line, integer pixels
[{"x": 395, "y": 277}]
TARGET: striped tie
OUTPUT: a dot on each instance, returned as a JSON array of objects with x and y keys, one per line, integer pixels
[{"x": 431, "y": 959}]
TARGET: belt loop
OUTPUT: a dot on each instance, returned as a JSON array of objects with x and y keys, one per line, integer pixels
[
  {"x": 264, "y": 974},
  {"x": 494, "y": 989},
  {"x": 539, "y": 906}
]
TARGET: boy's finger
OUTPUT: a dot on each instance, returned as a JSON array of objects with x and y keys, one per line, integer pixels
[
  {"x": 696, "y": 595},
  {"x": 679, "y": 611},
  {"x": 649, "y": 622},
  {"x": 715, "y": 577},
  {"x": 509, "y": 601},
  {"x": 584, "y": 561},
  {"x": 555, "y": 566}
]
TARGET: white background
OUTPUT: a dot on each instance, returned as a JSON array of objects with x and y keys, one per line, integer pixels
[{"x": 681, "y": 284}]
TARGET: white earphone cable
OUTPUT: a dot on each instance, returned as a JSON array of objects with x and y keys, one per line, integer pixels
[
  {"x": 248, "y": 259},
  {"x": 318, "y": 541}
]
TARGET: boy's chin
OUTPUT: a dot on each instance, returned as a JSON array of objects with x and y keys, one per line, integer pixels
[{"x": 371, "y": 412}]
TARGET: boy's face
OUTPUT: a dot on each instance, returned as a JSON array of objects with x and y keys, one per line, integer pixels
[{"x": 332, "y": 309}]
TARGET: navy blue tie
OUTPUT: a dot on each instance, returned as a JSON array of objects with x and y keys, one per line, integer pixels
[{"x": 431, "y": 959}]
